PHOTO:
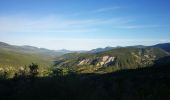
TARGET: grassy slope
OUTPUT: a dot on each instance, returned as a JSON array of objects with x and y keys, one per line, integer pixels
[
  {"x": 16, "y": 58},
  {"x": 20, "y": 59},
  {"x": 125, "y": 59}
]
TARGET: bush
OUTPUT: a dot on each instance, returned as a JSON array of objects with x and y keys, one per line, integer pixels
[{"x": 33, "y": 70}]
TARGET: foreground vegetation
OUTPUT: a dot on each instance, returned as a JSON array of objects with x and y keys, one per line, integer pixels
[{"x": 151, "y": 83}]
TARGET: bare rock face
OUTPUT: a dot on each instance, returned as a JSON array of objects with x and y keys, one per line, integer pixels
[
  {"x": 106, "y": 60},
  {"x": 110, "y": 60},
  {"x": 144, "y": 57},
  {"x": 84, "y": 62},
  {"x": 101, "y": 61}
]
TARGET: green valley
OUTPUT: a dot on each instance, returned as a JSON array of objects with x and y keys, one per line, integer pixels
[{"x": 31, "y": 73}]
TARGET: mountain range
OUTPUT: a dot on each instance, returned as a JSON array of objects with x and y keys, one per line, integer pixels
[
  {"x": 111, "y": 60},
  {"x": 111, "y": 73},
  {"x": 96, "y": 60},
  {"x": 11, "y": 55},
  {"x": 164, "y": 46}
]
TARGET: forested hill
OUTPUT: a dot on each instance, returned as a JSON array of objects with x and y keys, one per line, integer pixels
[{"x": 111, "y": 60}]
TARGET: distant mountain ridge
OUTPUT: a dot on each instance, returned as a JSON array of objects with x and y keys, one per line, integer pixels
[
  {"x": 23, "y": 55},
  {"x": 101, "y": 49},
  {"x": 11, "y": 55},
  {"x": 164, "y": 46},
  {"x": 31, "y": 49},
  {"x": 3, "y": 44}
]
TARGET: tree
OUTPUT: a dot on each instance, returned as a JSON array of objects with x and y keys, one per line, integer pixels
[
  {"x": 61, "y": 72},
  {"x": 33, "y": 70},
  {"x": 22, "y": 73},
  {"x": 3, "y": 75}
]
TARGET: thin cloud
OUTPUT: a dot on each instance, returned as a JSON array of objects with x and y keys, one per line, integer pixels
[
  {"x": 47, "y": 24},
  {"x": 136, "y": 26},
  {"x": 54, "y": 24},
  {"x": 60, "y": 25},
  {"x": 106, "y": 9},
  {"x": 99, "y": 10}
]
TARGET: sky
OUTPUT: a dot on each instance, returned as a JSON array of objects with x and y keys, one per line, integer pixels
[{"x": 84, "y": 24}]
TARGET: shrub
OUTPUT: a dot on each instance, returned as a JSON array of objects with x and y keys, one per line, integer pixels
[{"x": 33, "y": 70}]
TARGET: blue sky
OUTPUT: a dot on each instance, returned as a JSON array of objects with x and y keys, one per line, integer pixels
[{"x": 84, "y": 24}]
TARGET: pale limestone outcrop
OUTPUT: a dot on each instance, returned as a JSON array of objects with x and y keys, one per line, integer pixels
[
  {"x": 109, "y": 60},
  {"x": 106, "y": 60},
  {"x": 84, "y": 61},
  {"x": 100, "y": 61}
]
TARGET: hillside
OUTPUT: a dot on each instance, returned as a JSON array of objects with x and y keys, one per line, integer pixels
[
  {"x": 97, "y": 50},
  {"x": 164, "y": 46},
  {"x": 151, "y": 83},
  {"x": 112, "y": 60},
  {"x": 108, "y": 58},
  {"x": 16, "y": 56},
  {"x": 114, "y": 74}
]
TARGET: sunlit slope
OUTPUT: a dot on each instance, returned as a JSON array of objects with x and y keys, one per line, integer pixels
[
  {"x": 108, "y": 61},
  {"x": 16, "y": 56}
]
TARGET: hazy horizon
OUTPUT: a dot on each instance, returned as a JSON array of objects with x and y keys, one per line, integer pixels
[
  {"x": 84, "y": 25},
  {"x": 85, "y": 49}
]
